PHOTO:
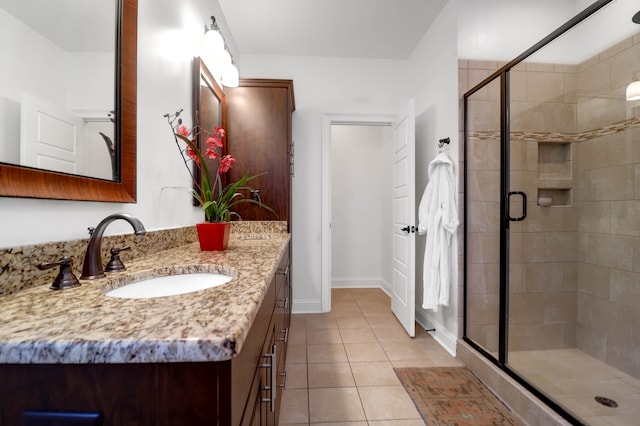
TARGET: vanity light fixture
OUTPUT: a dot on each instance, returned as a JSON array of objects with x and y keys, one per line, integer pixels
[
  {"x": 213, "y": 40},
  {"x": 217, "y": 56}
]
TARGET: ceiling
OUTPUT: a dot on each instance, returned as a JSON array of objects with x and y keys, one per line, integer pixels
[{"x": 380, "y": 29}]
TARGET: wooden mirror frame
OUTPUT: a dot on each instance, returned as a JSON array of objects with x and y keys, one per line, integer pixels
[
  {"x": 201, "y": 72},
  {"x": 25, "y": 182}
]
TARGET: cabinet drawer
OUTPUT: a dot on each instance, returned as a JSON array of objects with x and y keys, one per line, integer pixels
[{"x": 245, "y": 364}]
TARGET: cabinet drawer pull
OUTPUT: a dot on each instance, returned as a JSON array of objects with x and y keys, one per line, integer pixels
[
  {"x": 272, "y": 365},
  {"x": 286, "y": 271},
  {"x": 284, "y": 303},
  {"x": 284, "y": 380},
  {"x": 284, "y": 338}
]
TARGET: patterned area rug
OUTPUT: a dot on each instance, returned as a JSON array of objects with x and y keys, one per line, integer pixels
[{"x": 453, "y": 396}]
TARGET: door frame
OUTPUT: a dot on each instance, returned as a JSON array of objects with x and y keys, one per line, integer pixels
[{"x": 329, "y": 120}]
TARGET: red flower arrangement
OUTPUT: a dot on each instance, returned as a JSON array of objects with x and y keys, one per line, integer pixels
[{"x": 216, "y": 201}]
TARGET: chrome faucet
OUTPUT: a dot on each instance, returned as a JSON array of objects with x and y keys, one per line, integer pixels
[{"x": 92, "y": 267}]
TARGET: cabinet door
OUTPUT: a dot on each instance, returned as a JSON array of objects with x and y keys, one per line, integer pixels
[
  {"x": 282, "y": 316},
  {"x": 259, "y": 137},
  {"x": 258, "y": 417}
]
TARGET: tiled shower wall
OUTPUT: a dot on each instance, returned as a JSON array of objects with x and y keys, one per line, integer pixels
[
  {"x": 609, "y": 208},
  {"x": 543, "y": 248},
  {"x": 575, "y": 266}
]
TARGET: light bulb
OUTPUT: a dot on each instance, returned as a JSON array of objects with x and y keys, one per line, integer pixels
[
  {"x": 212, "y": 41},
  {"x": 230, "y": 76},
  {"x": 633, "y": 91},
  {"x": 223, "y": 58}
]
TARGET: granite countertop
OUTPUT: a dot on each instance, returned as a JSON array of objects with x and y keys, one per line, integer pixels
[{"x": 82, "y": 325}]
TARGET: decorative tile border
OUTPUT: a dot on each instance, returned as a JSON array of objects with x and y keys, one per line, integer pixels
[{"x": 556, "y": 137}]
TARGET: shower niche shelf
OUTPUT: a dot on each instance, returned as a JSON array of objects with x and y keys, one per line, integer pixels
[
  {"x": 560, "y": 197},
  {"x": 554, "y": 160},
  {"x": 554, "y": 174}
]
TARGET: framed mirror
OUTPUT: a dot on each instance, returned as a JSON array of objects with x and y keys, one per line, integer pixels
[
  {"x": 209, "y": 109},
  {"x": 119, "y": 185}
]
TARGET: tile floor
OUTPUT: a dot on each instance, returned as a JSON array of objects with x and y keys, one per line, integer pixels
[
  {"x": 575, "y": 378},
  {"x": 340, "y": 364}
]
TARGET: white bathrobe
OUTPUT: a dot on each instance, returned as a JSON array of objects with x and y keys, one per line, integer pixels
[{"x": 438, "y": 217}]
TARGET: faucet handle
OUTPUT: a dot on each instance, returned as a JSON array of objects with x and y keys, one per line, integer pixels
[
  {"x": 115, "y": 264},
  {"x": 65, "y": 278}
]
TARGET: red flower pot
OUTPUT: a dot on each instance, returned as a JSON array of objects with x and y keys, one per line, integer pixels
[{"x": 213, "y": 236}]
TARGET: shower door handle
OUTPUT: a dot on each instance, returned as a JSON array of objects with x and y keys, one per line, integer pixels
[{"x": 524, "y": 206}]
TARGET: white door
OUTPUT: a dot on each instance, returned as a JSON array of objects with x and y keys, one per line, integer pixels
[
  {"x": 404, "y": 218},
  {"x": 51, "y": 137}
]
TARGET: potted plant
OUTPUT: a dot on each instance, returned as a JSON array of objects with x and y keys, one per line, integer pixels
[{"x": 215, "y": 200}]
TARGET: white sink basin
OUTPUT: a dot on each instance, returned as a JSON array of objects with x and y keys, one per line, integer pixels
[{"x": 170, "y": 285}]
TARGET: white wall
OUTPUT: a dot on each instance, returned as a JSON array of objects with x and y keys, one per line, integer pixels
[
  {"x": 361, "y": 176},
  {"x": 433, "y": 76},
  {"x": 22, "y": 69},
  {"x": 87, "y": 81},
  {"x": 364, "y": 87},
  {"x": 305, "y": 211},
  {"x": 167, "y": 32},
  {"x": 323, "y": 86},
  {"x": 335, "y": 85},
  {"x": 25, "y": 55}
]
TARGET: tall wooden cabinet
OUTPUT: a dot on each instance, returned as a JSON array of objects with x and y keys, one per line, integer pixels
[{"x": 259, "y": 137}]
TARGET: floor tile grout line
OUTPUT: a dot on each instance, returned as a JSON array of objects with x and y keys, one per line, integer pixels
[{"x": 378, "y": 341}]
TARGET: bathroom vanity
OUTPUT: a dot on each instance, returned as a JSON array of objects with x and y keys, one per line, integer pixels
[{"x": 213, "y": 356}]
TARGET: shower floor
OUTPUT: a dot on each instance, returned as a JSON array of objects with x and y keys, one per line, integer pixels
[{"x": 573, "y": 379}]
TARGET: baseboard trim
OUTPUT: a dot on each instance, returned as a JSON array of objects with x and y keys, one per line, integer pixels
[
  {"x": 385, "y": 286},
  {"x": 358, "y": 282},
  {"x": 447, "y": 340},
  {"x": 306, "y": 306}
]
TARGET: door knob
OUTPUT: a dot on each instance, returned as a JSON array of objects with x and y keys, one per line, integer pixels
[{"x": 408, "y": 229}]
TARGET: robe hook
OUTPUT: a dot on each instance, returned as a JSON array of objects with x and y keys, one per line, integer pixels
[{"x": 443, "y": 141}]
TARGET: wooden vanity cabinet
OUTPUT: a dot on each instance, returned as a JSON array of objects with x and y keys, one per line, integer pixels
[
  {"x": 270, "y": 377},
  {"x": 259, "y": 137},
  {"x": 226, "y": 393}
]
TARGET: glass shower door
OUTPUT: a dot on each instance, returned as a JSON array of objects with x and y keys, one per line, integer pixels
[
  {"x": 552, "y": 274},
  {"x": 482, "y": 217}
]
